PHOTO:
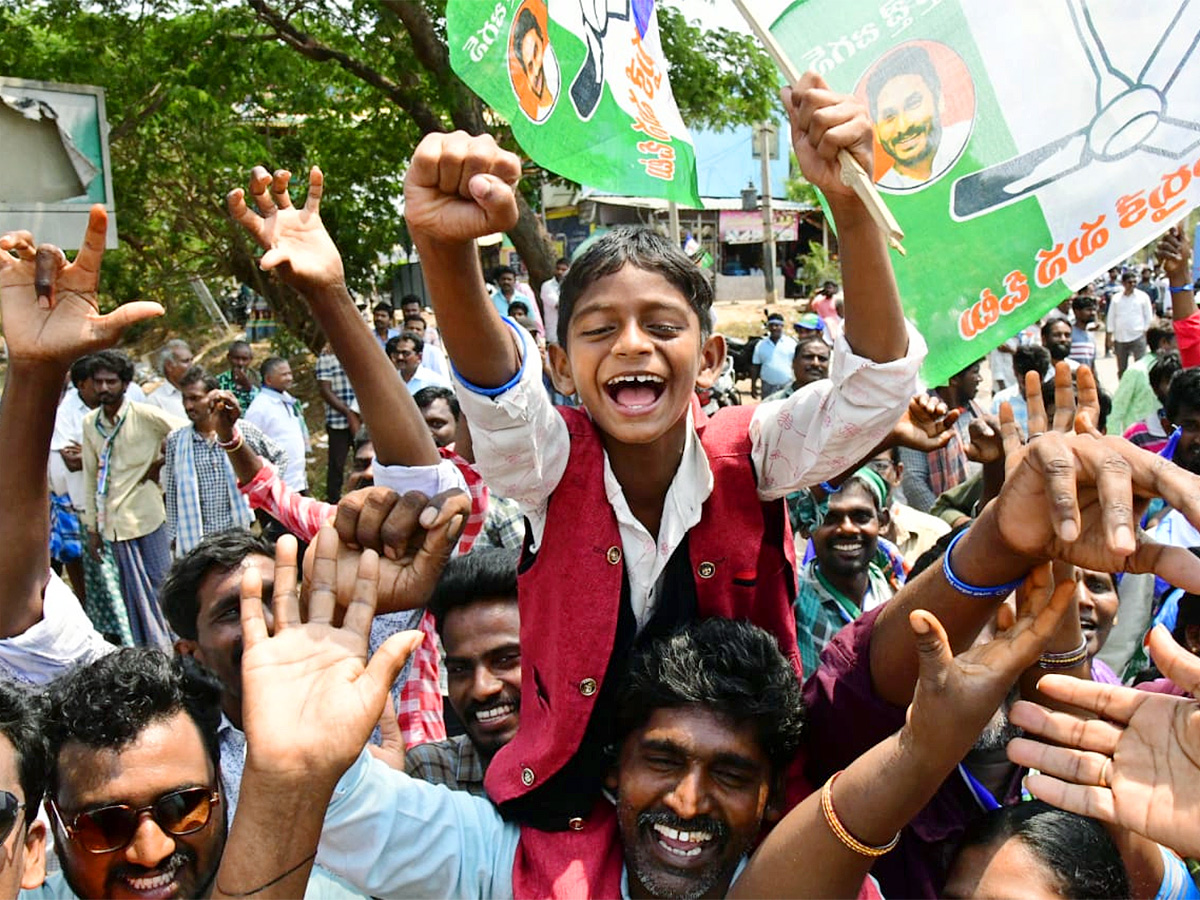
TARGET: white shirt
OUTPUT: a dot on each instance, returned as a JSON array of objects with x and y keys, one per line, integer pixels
[
  {"x": 63, "y": 638},
  {"x": 1129, "y": 315},
  {"x": 68, "y": 429},
  {"x": 522, "y": 446},
  {"x": 278, "y": 415},
  {"x": 434, "y": 359},
  {"x": 168, "y": 398},
  {"x": 424, "y": 377},
  {"x": 551, "y": 288}
]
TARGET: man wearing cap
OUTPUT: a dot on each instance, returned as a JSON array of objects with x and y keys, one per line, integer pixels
[{"x": 772, "y": 361}]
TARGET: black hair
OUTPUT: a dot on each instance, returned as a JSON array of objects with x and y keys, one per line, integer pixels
[
  {"x": 562, "y": 261},
  {"x": 1052, "y": 321},
  {"x": 934, "y": 554},
  {"x": 1163, "y": 368},
  {"x": 488, "y": 573},
  {"x": 1104, "y": 398},
  {"x": 815, "y": 339},
  {"x": 384, "y": 306},
  {"x": 910, "y": 59},
  {"x": 239, "y": 345},
  {"x": 1031, "y": 358},
  {"x": 1183, "y": 392},
  {"x": 520, "y": 303},
  {"x": 1083, "y": 301},
  {"x": 426, "y": 396},
  {"x": 222, "y": 552},
  {"x": 81, "y": 370},
  {"x": 503, "y": 270},
  {"x": 415, "y": 317},
  {"x": 1160, "y": 332},
  {"x": 412, "y": 298},
  {"x": 270, "y": 364},
  {"x": 526, "y": 22},
  {"x": 646, "y": 249},
  {"x": 418, "y": 342},
  {"x": 1189, "y": 611},
  {"x": 198, "y": 374},
  {"x": 112, "y": 361},
  {"x": 20, "y": 722},
  {"x": 733, "y": 669},
  {"x": 1077, "y": 850},
  {"x": 108, "y": 703}
]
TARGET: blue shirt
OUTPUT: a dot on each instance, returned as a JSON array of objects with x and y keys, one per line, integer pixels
[{"x": 775, "y": 359}]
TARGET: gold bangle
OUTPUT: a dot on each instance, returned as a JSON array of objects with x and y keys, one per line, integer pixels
[
  {"x": 237, "y": 445},
  {"x": 839, "y": 830}
]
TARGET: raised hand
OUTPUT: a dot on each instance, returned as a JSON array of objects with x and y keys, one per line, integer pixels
[
  {"x": 1137, "y": 765},
  {"x": 226, "y": 410},
  {"x": 49, "y": 306},
  {"x": 460, "y": 187},
  {"x": 957, "y": 695},
  {"x": 294, "y": 238},
  {"x": 823, "y": 123},
  {"x": 1174, "y": 253},
  {"x": 927, "y": 424},
  {"x": 310, "y": 696},
  {"x": 414, "y": 535},
  {"x": 986, "y": 445}
]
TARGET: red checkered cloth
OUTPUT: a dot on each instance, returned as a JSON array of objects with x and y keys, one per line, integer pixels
[{"x": 420, "y": 706}]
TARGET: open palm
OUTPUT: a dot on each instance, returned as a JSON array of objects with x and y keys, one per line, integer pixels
[
  {"x": 65, "y": 323},
  {"x": 310, "y": 695}
]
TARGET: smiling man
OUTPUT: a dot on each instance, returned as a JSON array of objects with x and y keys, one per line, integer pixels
[
  {"x": 842, "y": 580},
  {"x": 475, "y": 608},
  {"x": 906, "y": 101}
]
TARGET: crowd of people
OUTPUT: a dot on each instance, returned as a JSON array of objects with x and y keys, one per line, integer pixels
[{"x": 858, "y": 639}]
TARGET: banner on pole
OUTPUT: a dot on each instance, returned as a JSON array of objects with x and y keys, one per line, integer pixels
[
  {"x": 584, "y": 87},
  {"x": 1024, "y": 147}
]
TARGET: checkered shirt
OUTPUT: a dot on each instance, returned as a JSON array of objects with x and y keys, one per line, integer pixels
[
  {"x": 454, "y": 763},
  {"x": 212, "y": 465},
  {"x": 504, "y": 526},
  {"x": 419, "y": 705},
  {"x": 329, "y": 368}
]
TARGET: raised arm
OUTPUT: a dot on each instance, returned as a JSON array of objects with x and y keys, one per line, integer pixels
[
  {"x": 1175, "y": 255},
  {"x": 50, "y": 316},
  {"x": 299, "y": 247},
  {"x": 459, "y": 188},
  {"x": 824, "y": 123},
  {"x": 877, "y": 794}
]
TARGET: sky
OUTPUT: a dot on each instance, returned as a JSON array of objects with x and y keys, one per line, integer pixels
[{"x": 723, "y": 14}]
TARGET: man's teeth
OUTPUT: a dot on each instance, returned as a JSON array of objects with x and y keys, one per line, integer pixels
[
  {"x": 687, "y": 837},
  {"x": 847, "y": 545},
  {"x": 496, "y": 712},
  {"x": 153, "y": 884}
]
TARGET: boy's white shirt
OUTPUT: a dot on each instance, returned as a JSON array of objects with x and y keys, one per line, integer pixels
[{"x": 522, "y": 446}]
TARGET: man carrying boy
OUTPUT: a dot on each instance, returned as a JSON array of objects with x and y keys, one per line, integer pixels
[{"x": 636, "y": 510}]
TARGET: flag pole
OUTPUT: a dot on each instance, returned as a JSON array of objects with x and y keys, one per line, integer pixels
[{"x": 852, "y": 173}]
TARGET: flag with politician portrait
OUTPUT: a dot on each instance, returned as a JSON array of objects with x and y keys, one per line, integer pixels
[
  {"x": 1024, "y": 147},
  {"x": 584, "y": 86}
]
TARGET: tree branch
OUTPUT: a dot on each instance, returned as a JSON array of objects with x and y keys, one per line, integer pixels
[{"x": 155, "y": 100}]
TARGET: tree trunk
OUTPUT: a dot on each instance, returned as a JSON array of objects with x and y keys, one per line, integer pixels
[{"x": 532, "y": 242}]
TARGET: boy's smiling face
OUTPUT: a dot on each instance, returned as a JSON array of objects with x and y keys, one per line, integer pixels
[{"x": 635, "y": 355}]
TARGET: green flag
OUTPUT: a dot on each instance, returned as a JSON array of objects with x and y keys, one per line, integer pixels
[
  {"x": 1023, "y": 146},
  {"x": 584, "y": 87}
]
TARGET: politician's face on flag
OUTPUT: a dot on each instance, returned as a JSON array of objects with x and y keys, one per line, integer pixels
[{"x": 908, "y": 123}]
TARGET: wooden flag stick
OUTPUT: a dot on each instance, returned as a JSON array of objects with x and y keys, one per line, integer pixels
[{"x": 852, "y": 173}]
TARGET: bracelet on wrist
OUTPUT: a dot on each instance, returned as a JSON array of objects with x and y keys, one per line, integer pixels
[
  {"x": 829, "y": 488},
  {"x": 1067, "y": 659},
  {"x": 849, "y": 841},
  {"x": 234, "y": 443},
  {"x": 1181, "y": 288},
  {"x": 984, "y": 593}
]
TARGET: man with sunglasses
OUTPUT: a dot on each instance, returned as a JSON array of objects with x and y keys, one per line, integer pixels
[{"x": 22, "y": 783}]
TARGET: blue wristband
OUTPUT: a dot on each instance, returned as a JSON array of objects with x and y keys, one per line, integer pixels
[
  {"x": 1181, "y": 289},
  {"x": 508, "y": 385},
  {"x": 829, "y": 488},
  {"x": 984, "y": 593}
]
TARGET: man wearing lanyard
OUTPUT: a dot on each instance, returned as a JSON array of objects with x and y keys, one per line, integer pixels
[{"x": 842, "y": 580}]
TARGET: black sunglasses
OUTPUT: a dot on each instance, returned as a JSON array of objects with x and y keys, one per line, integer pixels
[
  {"x": 111, "y": 828},
  {"x": 10, "y": 808}
]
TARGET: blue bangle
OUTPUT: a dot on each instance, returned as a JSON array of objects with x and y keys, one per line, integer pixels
[
  {"x": 984, "y": 593},
  {"x": 829, "y": 488},
  {"x": 508, "y": 385},
  {"x": 1182, "y": 288}
]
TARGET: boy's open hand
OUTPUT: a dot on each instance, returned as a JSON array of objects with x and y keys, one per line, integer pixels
[
  {"x": 823, "y": 123},
  {"x": 49, "y": 305},
  {"x": 460, "y": 187},
  {"x": 294, "y": 237}
]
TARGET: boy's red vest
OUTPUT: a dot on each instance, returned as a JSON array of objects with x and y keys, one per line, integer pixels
[{"x": 742, "y": 558}]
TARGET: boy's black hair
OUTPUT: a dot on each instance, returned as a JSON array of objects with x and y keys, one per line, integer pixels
[
  {"x": 646, "y": 249},
  {"x": 198, "y": 374},
  {"x": 425, "y": 397},
  {"x": 1031, "y": 358},
  {"x": 1183, "y": 392},
  {"x": 270, "y": 364},
  {"x": 20, "y": 722},
  {"x": 107, "y": 704},
  {"x": 1078, "y": 851},
  {"x": 222, "y": 552},
  {"x": 1164, "y": 367},
  {"x": 733, "y": 669},
  {"x": 112, "y": 361},
  {"x": 1160, "y": 332},
  {"x": 483, "y": 574}
]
